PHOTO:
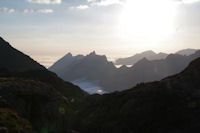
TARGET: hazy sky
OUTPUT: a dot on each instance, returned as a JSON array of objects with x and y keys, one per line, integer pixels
[{"x": 48, "y": 29}]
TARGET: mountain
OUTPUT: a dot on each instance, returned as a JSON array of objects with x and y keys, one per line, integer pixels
[
  {"x": 16, "y": 64},
  {"x": 167, "y": 106},
  {"x": 96, "y": 68},
  {"x": 15, "y": 60},
  {"x": 150, "y": 55},
  {"x": 187, "y": 51},
  {"x": 64, "y": 62},
  {"x": 33, "y": 99},
  {"x": 92, "y": 67},
  {"x": 146, "y": 71}
]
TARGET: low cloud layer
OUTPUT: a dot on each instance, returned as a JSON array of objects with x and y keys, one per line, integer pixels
[
  {"x": 5, "y": 9},
  {"x": 38, "y": 11},
  {"x": 46, "y": 1}
]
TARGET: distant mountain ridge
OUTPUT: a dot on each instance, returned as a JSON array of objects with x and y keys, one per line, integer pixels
[
  {"x": 95, "y": 68},
  {"x": 150, "y": 55},
  {"x": 187, "y": 51},
  {"x": 14, "y": 60}
]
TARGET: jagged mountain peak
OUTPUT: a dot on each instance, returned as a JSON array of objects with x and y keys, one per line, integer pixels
[
  {"x": 93, "y": 53},
  {"x": 69, "y": 54}
]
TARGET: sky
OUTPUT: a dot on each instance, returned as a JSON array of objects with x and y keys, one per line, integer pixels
[{"x": 48, "y": 29}]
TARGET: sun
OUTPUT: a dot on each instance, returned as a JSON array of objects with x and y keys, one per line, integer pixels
[{"x": 152, "y": 19}]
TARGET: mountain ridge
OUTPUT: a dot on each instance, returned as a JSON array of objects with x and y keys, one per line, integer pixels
[{"x": 96, "y": 68}]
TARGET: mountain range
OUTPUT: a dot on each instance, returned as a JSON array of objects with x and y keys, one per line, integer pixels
[
  {"x": 98, "y": 69},
  {"x": 167, "y": 106},
  {"x": 150, "y": 55},
  {"x": 188, "y": 51},
  {"x": 37, "y": 101}
]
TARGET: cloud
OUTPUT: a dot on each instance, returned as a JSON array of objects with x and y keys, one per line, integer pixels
[
  {"x": 92, "y": 3},
  {"x": 189, "y": 1},
  {"x": 45, "y": 11},
  {"x": 80, "y": 7},
  {"x": 28, "y": 11},
  {"x": 46, "y": 1},
  {"x": 38, "y": 11},
  {"x": 91, "y": 0},
  {"x": 105, "y": 2},
  {"x": 5, "y": 9}
]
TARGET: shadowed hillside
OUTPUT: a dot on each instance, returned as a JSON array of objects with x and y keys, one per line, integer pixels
[
  {"x": 16, "y": 64},
  {"x": 167, "y": 106},
  {"x": 44, "y": 107},
  {"x": 15, "y": 60},
  {"x": 33, "y": 99}
]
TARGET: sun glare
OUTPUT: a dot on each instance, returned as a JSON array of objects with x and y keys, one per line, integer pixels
[{"x": 148, "y": 19}]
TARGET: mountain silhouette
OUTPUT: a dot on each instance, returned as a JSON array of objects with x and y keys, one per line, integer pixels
[
  {"x": 187, "y": 51},
  {"x": 150, "y": 55},
  {"x": 91, "y": 67},
  {"x": 167, "y": 106},
  {"x": 36, "y": 100},
  {"x": 16, "y": 64},
  {"x": 33, "y": 99},
  {"x": 64, "y": 62},
  {"x": 15, "y": 60},
  {"x": 96, "y": 68}
]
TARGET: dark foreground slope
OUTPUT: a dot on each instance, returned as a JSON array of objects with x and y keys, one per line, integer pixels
[
  {"x": 14, "y": 63},
  {"x": 171, "y": 105},
  {"x": 33, "y": 99},
  {"x": 39, "y": 105},
  {"x": 15, "y": 60}
]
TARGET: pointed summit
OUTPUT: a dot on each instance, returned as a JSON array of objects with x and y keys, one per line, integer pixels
[
  {"x": 92, "y": 53},
  {"x": 68, "y": 55}
]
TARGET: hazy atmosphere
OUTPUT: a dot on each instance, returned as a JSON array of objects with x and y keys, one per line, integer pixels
[
  {"x": 48, "y": 29},
  {"x": 99, "y": 66}
]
